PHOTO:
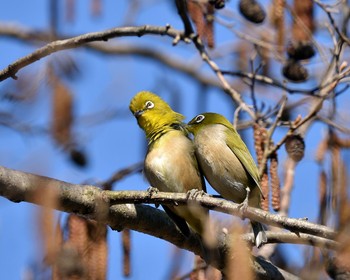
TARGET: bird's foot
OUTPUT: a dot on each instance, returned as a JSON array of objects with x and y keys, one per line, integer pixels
[
  {"x": 194, "y": 193},
  {"x": 244, "y": 205},
  {"x": 151, "y": 190}
]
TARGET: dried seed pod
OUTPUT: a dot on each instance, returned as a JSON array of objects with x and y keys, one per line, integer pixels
[
  {"x": 344, "y": 213},
  {"x": 336, "y": 162},
  {"x": 196, "y": 14},
  {"x": 202, "y": 15},
  {"x": 209, "y": 26},
  {"x": 275, "y": 183},
  {"x": 295, "y": 147},
  {"x": 218, "y": 4},
  {"x": 264, "y": 184},
  {"x": 126, "y": 250},
  {"x": 251, "y": 10},
  {"x": 322, "y": 190},
  {"x": 294, "y": 71},
  {"x": 69, "y": 264},
  {"x": 48, "y": 198},
  {"x": 277, "y": 18},
  {"x": 239, "y": 258},
  {"x": 59, "y": 241},
  {"x": 97, "y": 251},
  {"x": 300, "y": 50},
  {"x": 303, "y": 23},
  {"x": 78, "y": 232},
  {"x": 259, "y": 140},
  {"x": 62, "y": 112},
  {"x": 78, "y": 157}
]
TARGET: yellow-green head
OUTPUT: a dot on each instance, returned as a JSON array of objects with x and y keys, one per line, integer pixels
[
  {"x": 200, "y": 121},
  {"x": 153, "y": 114}
]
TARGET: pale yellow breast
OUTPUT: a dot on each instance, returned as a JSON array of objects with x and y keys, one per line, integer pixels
[{"x": 170, "y": 164}]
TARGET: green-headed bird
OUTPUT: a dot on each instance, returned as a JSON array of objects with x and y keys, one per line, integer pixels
[
  {"x": 227, "y": 164},
  {"x": 170, "y": 164}
]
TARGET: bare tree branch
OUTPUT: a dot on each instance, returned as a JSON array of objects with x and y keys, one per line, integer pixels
[
  {"x": 83, "y": 199},
  {"x": 88, "y": 201},
  {"x": 55, "y": 46},
  {"x": 173, "y": 62}
]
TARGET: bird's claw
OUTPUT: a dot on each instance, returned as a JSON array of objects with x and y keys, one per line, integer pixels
[
  {"x": 244, "y": 205},
  {"x": 151, "y": 190},
  {"x": 194, "y": 193}
]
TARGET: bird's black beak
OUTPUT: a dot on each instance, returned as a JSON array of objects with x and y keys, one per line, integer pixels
[{"x": 138, "y": 113}]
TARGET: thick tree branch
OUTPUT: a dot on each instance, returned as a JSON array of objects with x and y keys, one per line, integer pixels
[
  {"x": 82, "y": 199},
  {"x": 221, "y": 205},
  {"x": 88, "y": 201}
]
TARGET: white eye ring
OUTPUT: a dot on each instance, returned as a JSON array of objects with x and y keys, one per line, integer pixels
[
  {"x": 199, "y": 118},
  {"x": 149, "y": 104}
]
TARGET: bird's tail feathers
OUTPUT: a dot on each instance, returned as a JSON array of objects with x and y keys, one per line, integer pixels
[{"x": 259, "y": 234}]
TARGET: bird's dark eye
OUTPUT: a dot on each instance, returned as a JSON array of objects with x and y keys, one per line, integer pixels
[
  {"x": 199, "y": 118},
  {"x": 149, "y": 104}
]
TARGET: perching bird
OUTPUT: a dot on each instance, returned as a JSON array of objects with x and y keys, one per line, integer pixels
[
  {"x": 227, "y": 164},
  {"x": 170, "y": 164}
]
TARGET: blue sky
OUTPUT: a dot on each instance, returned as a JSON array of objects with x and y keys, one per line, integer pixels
[{"x": 107, "y": 84}]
